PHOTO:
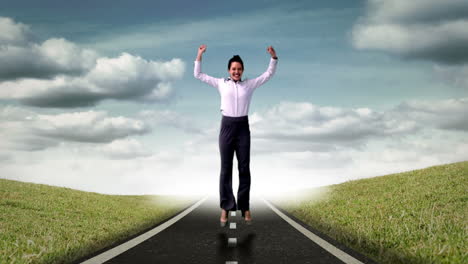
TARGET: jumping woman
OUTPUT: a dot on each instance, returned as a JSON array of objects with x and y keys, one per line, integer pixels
[{"x": 234, "y": 135}]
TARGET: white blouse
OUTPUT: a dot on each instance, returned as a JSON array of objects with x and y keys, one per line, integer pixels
[{"x": 235, "y": 96}]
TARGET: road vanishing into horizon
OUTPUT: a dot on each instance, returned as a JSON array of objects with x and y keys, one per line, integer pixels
[{"x": 195, "y": 236}]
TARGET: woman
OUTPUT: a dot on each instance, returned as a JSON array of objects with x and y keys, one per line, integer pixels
[{"x": 234, "y": 134}]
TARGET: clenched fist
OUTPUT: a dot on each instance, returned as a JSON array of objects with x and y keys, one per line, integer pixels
[
  {"x": 272, "y": 52},
  {"x": 202, "y": 49}
]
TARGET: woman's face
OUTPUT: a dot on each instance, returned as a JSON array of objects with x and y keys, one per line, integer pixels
[{"x": 236, "y": 71}]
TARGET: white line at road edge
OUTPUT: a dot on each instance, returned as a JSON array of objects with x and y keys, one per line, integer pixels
[
  {"x": 343, "y": 256},
  {"x": 113, "y": 252}
]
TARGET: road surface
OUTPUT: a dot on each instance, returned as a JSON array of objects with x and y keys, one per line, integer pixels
[{"x": 198, "y": 238}]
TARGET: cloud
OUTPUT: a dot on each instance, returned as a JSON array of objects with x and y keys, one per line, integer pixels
[
  {"x": 126, "y": 77},
  {"x": 90, "y": 126},
  {"x": 430, "y": 30},
  {"x": 303, "y": 121},
  {"x": 127, "y": 148},
  {"x": 22, "y": 58},
  {"x": 4, "y": 157},
  {"x": 426, "y": 11},
  {"x": 25, "y": 142},
  {"x": 15, "y": 124},
  {"x": 302, "y": 126},
  {"x": 447, "y": 114},
  {"x": 28, "y": 131},
  {"x": 58, "y": 73},
  {"x": 12, "y": 33}
]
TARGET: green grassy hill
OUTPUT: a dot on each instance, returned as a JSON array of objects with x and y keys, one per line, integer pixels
[
  {"x": 45, "y": 224},
  {"x": 419, "y": 216}
]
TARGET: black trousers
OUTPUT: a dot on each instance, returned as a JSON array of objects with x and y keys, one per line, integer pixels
[{"x": 234, "y": 137}]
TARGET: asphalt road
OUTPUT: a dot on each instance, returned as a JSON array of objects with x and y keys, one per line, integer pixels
[{"x": 198, "y": 238}]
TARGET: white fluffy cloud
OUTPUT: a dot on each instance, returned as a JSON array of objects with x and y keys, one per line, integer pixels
[
  {"x": 128, "y": 148},
  {"x": 25, "y": 130},
  {"x": 432, "y": 30},
  {"x": 447, "y": 114},
  {"x": 126, "y": 77},
  {"x": 58, "y": 73},
  {"x": 20, "y": 57},
  {"x": 302, "y": 126},
  {"x": 307, "y": 122},
  {"x": 90, "y": 126},
  {"x": 12, "y": 33}
]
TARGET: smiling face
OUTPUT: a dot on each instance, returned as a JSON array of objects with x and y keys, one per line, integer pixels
[{"x": 236, "y": 71}]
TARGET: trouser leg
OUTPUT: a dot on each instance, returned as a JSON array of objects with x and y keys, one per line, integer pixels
[
  {"x": 243, "y": 159},
  {"x": 226, "y": 149}
]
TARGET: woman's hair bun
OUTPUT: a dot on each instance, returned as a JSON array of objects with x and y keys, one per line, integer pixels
[{"x": 235, "y": 58}]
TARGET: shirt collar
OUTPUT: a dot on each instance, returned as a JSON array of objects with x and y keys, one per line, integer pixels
[{"x": 229, "y": 79}]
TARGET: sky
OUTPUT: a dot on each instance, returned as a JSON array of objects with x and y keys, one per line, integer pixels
[{"x": 100, "y": 95}]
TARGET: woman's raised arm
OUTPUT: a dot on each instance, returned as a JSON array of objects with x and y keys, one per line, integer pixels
[
  {"x": 201, "y": 50},
  {"x": 197, "y": 72},
  {"x": 269, "y": 72}
]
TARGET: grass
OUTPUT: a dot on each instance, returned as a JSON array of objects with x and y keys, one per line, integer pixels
[
  {"x": 418, "y": 216},
  {"x": 45, "y": 224}
]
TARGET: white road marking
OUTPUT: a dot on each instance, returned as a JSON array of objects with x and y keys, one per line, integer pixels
[
  {"x": 343, "y": 256},
  {"x": 232, "y": 242},
  {"x": 113, "y": 252}
]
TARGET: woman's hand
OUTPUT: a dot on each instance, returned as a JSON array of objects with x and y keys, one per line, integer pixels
[
  {"x": 201, "y": 50},
  {"x": 272, "y": 52}
]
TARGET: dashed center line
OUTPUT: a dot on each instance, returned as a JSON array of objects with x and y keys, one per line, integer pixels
[{"x": 232, "y": 242}]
